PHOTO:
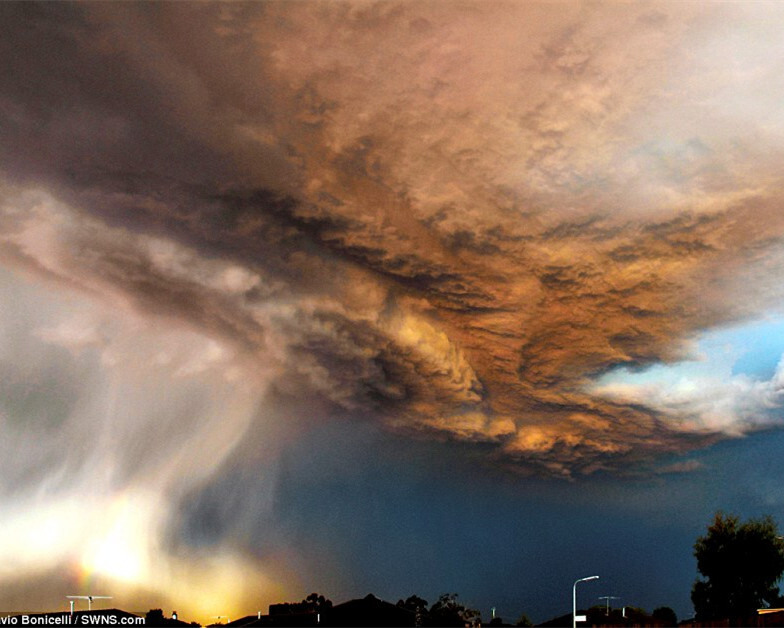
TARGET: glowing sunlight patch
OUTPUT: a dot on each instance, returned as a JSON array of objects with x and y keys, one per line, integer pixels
[{"x": 121, "y": 549}]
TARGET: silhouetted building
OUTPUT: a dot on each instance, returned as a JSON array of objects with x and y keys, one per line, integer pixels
[
  {"x": 597, "y": 617},
  {"x": 368, "y": 611},
  {"x": 250, "y": 620},
  {"x": 291, "y": 608},
  {"x": 770, "y": 617},
  {"x": 283, "y": 615},
  {"x": 765, "y": 618},
  {"x": 155, "y": 617}
]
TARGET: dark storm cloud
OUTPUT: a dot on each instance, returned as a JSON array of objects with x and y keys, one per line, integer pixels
[{"x": 452, "y": 217}]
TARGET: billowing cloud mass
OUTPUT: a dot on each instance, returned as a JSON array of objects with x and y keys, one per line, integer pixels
[{"x": 450, "y": 219}]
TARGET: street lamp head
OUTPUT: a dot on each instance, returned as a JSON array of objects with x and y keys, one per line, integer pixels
[{"x": 575, "y": 617}]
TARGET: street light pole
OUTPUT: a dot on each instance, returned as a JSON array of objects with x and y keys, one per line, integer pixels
[{"x": 574, "y": 598}]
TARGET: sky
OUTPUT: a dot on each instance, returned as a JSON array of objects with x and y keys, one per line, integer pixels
[{"x": 389, "y": 297}]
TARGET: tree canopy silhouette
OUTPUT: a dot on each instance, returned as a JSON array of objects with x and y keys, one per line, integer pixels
[
  {"x": 447, "y": 611},
  {"x": 416, "y": 605},
  {"x": 665, "y": 615},
  {"x": 317, "y": 603},
  {"x": 741, "y": 564}
]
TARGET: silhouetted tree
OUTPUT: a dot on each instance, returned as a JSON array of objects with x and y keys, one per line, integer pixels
[
  {"x": 416, "y": 605},
  {"x": 447, "y": 611},
  {"x": 524, "y": 621},
  {"x": 665, "y": 615},
  {"x": 317, "y": 603},
  {"x": 154, "y": 617},
  {"x": 741, "y": 563}
]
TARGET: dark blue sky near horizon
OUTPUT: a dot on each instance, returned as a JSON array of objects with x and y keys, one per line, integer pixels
[
  {"x": 376, "y": 514},
  {"x": 389, "y": 297}
]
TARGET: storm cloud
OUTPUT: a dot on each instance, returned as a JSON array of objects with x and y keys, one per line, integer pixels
[{"x": 448, "y": 219}]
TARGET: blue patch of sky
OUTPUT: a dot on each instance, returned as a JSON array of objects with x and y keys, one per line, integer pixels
[
  {"x": 752, "y": 349},
  {"x": 763, "y": 346}
]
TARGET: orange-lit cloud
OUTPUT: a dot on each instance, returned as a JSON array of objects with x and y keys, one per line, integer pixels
[{"x": 440, "y": 212}]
